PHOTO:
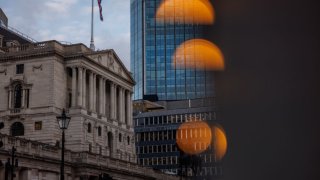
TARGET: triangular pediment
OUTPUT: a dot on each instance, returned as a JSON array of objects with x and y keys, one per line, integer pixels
[{"x": 110, "y": 60}]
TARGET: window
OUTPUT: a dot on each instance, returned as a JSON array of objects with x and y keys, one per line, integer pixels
[
  {"x": 110, "y": 140},
  {"x": 38, "y": 125},
  {"x": 18, "y": 96},
  {"x": 19, "y": 68},
  {"x": 99, "y": 131},
  {"x": 120, "y": 137},
  {"x": 17, "y": 129},
  {"x": 89, "y": 127}
]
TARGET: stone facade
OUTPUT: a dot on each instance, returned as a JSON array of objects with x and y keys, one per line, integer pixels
[
  {"x": 42, "y": 162},
  {"x": 96, "y": 92},
  {"x": 39, "y": 80}
]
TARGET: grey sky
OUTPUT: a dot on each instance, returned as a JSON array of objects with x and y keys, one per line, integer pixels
[{"x": 69, "y": 20}]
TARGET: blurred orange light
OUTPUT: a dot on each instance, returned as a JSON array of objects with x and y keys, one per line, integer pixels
[
  {"x": 185, "y": 12},
  {"x": 219, "y": 142},
  {"x": 198, "y": 53},
  {"x": 193, "y": 137}
]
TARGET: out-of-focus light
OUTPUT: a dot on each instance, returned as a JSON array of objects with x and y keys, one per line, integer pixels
[
  {"x": 200, "y": 54},
  {"x": 185, "y": 12},
  {"x": 193, "y": 137},
  {"x": 219, "y": 141}
]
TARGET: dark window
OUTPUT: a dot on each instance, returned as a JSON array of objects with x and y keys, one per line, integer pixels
[
  {"x": 110, "y": 140},
  {"x": 17, "y": 96},
  {"x": 142, "y": 136},
  {"x": 70, "y": 100},
  {"x": 38, "y": 125},
  {"x": 17, "y": 129},
  {"x": 128, "y": 140},
  {"x": 99, "y": 131},
  {"x": 27, "y": 97},
  {"x": 19, "y": 68},
  {"x": 89, "y": 127},
  {"x": 120, "y": 137},
  {"x": 90, "y": 147},
  {"x": 164, "y": 148}
]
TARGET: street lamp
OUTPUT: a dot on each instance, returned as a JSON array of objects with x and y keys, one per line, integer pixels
[{"x": 63, "y": 122}]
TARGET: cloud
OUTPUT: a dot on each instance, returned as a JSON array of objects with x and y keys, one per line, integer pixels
[
  {"x": 70, "y": 20},
  {"x": 59, "y": 6}
]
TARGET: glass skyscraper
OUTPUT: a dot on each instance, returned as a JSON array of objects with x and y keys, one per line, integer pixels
[{"x": 153, "y": 44}]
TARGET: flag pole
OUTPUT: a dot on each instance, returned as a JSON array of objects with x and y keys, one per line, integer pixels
[{"x": 92, "y": 42}]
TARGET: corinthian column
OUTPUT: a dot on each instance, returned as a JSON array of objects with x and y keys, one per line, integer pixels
[
  {"x": 103, "y": 96},
  {"x": 84, "y": 88},
  {"x": 9, "y": 101},
  {"x": 100, "y": 95},
  {"x": 94, "y": 93},
  {"x": 120, "y": 110},
  {"x": 112, "y": 105},
  {"x": 80, "y": 86},
  {"x": 91, "y": 91},
  {"x": 74, "y": 83},
  {"x": 130, "y": 119},
  {"x": 128, "y": 102}
]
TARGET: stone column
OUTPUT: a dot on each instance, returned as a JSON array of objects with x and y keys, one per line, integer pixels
[
  {"x": 10, "y": 99},
  {"x": 130, "y": 118},
  {"x": 128, "y": 104},
  {"x": 112, "y": 105},
  {"x": 22, "y": 97},
  {"x": 91, "y": 91},
  {"x": 84, "y": 88},
  {"x": 120, "y": 100},
  {"x": 100, "y": 95},
  {"x": 80, "y": 75},
  {"x": 74, "y": 83},
  {"x": 94, "y": 93},
  {"x": 116, "y": 102},
  {"x": 103, "y": 96}
]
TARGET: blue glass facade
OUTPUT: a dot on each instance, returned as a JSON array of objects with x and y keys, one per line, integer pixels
[{"x": 152, "y": 63}]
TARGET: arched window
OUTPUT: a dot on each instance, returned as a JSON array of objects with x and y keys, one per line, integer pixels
[
  {"x": 128, "y": 140},
  {"x": 120, "y": 137},
  {"x": 89, "y": 127},
  {"x": 99, "y": 131},
  {"x": 17, "y": 129},
  {"x": 17, "y": 96}
]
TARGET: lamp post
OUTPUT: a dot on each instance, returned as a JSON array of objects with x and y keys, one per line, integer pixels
[{"x": 63, "y": 122}]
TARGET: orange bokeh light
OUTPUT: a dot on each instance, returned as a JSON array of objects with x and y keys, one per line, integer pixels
[
  {"x": 200, "y": 54},
  {"x": 219, "y": 142},
  {"x": 185, "y": 12},
  {"x": 193, "y": 137}
]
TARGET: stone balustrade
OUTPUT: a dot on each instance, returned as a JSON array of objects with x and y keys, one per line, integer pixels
[{"x": 38, "y": 150}]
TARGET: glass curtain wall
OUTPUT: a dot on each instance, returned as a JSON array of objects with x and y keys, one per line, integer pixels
[{"x": 153, "y": 44}]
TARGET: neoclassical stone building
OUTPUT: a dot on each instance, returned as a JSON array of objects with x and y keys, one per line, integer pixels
[{"x": 38, "y": 80}]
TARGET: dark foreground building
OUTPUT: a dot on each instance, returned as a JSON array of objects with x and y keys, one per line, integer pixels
[{"x": 156, "y": 125}]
